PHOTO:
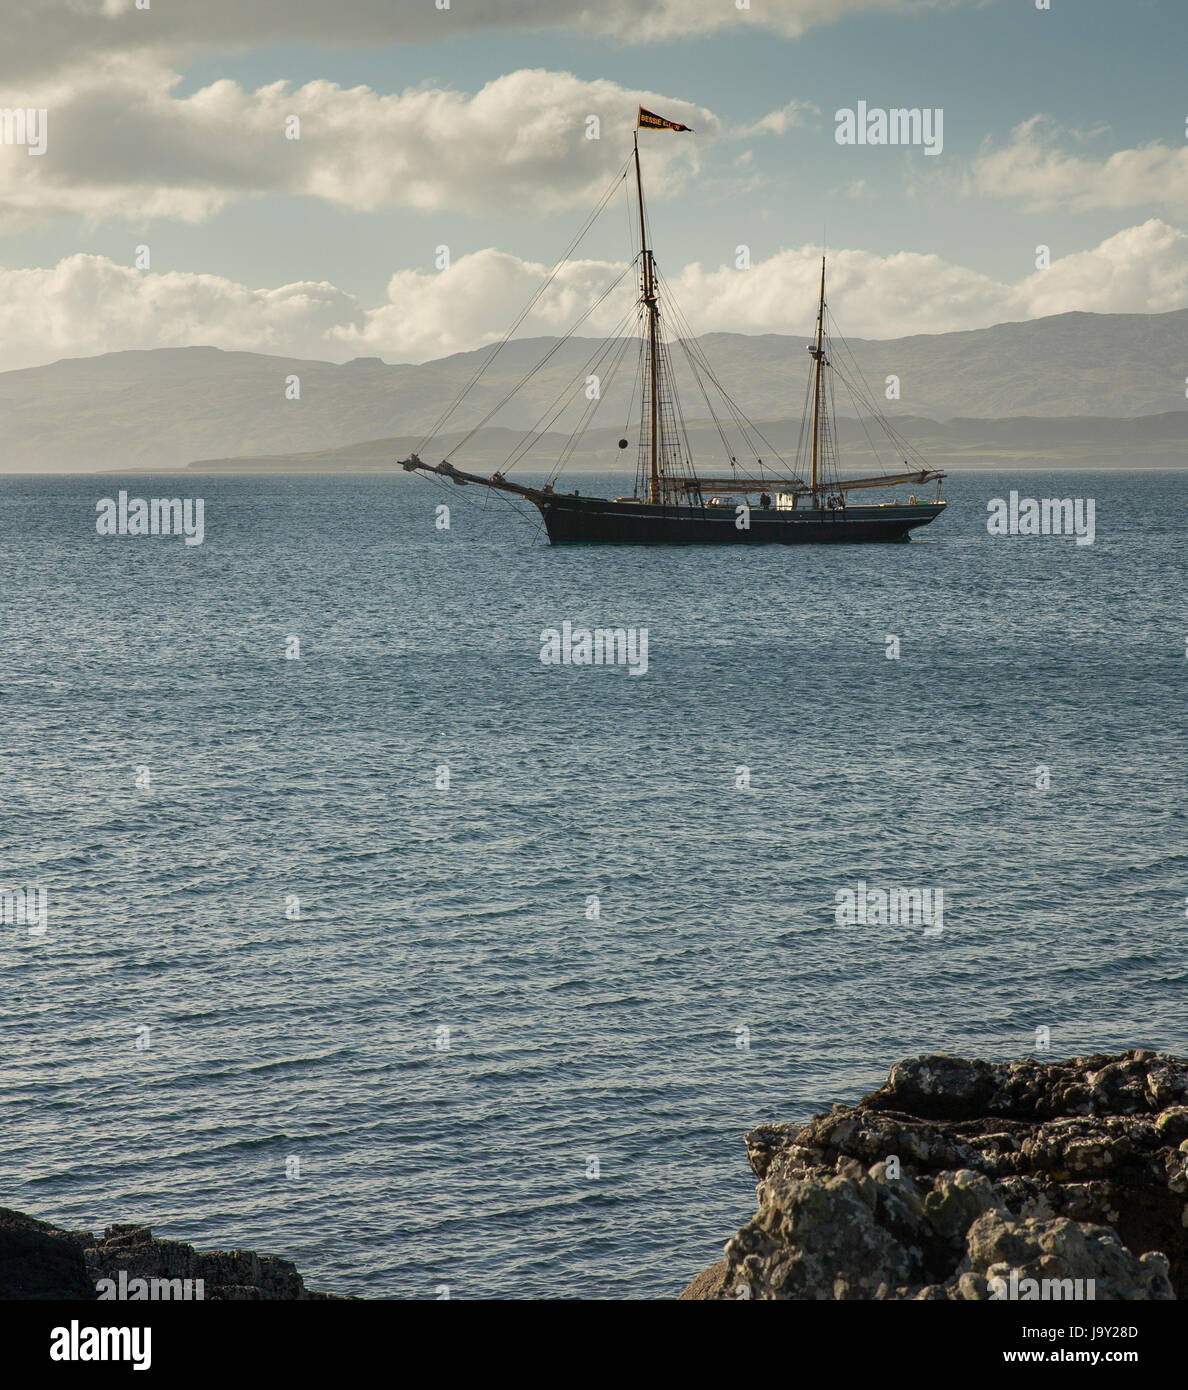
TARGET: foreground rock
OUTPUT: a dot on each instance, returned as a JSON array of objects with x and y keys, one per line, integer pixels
[
  {"x": 965, "y": 1180},
  {"x": 40, "y": 1261}
]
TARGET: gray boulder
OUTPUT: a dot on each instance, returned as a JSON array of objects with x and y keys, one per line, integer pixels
[{"x": 962, "y": 1179}]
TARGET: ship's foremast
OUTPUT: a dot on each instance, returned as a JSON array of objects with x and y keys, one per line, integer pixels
[{"x": 839, "y": 486}]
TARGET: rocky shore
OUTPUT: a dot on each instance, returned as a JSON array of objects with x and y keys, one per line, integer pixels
[
  {"x": 41, "y": 1261},
  {"x": 966, "y": 1179}
]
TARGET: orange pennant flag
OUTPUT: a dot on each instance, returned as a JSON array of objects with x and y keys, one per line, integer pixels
[{"x": 648, "y": 120}]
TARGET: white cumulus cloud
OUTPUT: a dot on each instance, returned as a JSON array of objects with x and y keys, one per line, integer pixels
[
  {"x": 1033, "y": 168},
  {"x": 121, "y": 144},
  {"x": 88, "y": 304},
  {"x": 1141, "y": 270}
]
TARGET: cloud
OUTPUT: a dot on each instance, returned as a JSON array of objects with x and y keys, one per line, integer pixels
[
  {"x": 871, "y": 296},
  {"x": 122, "y": 145},
  {"x": 41, "y": 36},
  {"x": 796, "y": 113},
  {"x": 431, "y": 314},
  {"x": 88, "y": 304},
  {"x": 1034, "y": 170},
  {"x": 1140, "y": 270}
]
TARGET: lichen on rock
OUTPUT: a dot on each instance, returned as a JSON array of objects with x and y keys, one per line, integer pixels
[{"x": 968, "y": 1180}]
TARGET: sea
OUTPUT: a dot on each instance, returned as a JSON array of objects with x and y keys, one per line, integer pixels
[{"x": 375, "y": 941}]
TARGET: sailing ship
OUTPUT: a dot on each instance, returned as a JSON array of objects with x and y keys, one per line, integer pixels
[{"x": 782, "y": 501}]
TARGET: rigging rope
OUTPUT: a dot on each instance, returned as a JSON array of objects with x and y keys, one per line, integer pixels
[
  {"x": 486, "y": 362},
  {"x": 564, "y": 397},
  {"x": 700, "y": 364},
  {"x": 528, "y": 375},
  {"x": 864, "y": 396},
  {"x": 452, "y": 491}
]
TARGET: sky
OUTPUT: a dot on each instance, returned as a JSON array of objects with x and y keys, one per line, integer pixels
[{"x": 170, "y": 207}]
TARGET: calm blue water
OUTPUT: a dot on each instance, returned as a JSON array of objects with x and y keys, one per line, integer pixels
[{"x": 465, "y": 909}]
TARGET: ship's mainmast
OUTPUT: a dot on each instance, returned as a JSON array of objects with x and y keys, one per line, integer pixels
[
  {"x": 818, "y": 353},
  {"x": 648, "y": 298}
]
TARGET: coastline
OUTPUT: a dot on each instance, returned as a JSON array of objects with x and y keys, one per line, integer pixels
[
  {"x": 41, "y": 1261},
  {"x": 965, "y": 1180}
]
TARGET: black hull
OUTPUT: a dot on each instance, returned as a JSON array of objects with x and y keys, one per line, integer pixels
[{"x": 596, "y": 520}]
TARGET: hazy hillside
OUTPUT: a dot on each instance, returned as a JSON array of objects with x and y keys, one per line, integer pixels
[
  {"x": 167, "y": 407},
  {"x": 1152, "y": 441}
]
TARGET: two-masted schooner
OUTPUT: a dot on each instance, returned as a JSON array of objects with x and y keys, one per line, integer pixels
[{"x": 671, "y": 501}]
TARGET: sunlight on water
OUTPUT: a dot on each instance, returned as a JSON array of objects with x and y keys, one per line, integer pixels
[{"x": 439, "y": 1031}]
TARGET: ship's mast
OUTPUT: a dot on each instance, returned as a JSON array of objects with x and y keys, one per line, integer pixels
[
  {"x": 818, "y": 355},
  {"x": 649, "y": 299}
]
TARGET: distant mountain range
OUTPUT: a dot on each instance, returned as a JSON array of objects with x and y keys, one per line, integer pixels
[
  {"x": 1150, "y": 441},
  {"x": 171, "y": 406}
]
